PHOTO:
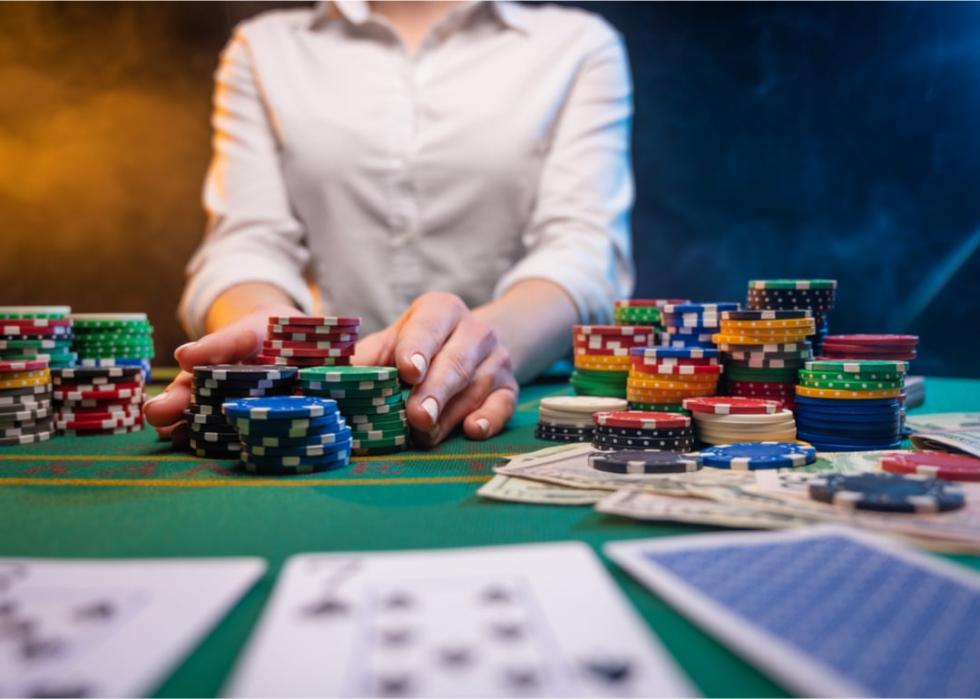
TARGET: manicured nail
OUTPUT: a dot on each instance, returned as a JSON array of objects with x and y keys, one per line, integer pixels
[
  {"x": 154, "y": 399},
  {"x": 430, "y": 406},
  {"x": 181, "y": 349},
  {"x": 419, "y": 362},
  {"x": 484, "y": 425}
]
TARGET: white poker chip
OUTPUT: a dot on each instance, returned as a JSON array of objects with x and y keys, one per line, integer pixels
[{"x": 583, "y": 404}]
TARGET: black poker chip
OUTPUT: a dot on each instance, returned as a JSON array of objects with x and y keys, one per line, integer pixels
[
  {"x": 658, "y": 433},
  {"x": 645, "y": 462},
  {"x": 602, "y": 442}
]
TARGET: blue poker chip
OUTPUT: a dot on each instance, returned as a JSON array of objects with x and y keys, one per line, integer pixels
[
  {"x": 854, "y": 416},
  {"x": 305, "y": 450},
  {"x": 750, "y": 456},
  {"x": 709, "y": 308},
  {"x": 339, "y": 457},
  {"x": 676, "y": 352},
  {"x": 858, "y": 439},
  {"x": 887, "y": 492},
  {"x": 293, "y": 427},
  {"x": 825, "y": 446},
  {"x": 280, "y": 407},
  {"x": 870, "y": 403}
]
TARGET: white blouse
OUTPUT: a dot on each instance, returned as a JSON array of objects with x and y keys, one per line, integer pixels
[{"x": 499, "y": 152}]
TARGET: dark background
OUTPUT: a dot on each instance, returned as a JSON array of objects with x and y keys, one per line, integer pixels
[{"x": 771, "y": 140}]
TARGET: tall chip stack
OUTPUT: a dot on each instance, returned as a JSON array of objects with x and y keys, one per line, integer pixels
[
  {"x": 814, "y": 295},
  {"x": 602, "y": 357},
  {"x": 661, "y": 378},
  {"x": 25, "y": 400},
  {"x": 304, "y": 341},
  {"x": 851, "y": 405},
  {"x": 113, "y": 339},
  {"x": 692, "y": 324},
  {"x": 32, "y": 333},
  {"x": 92, "y": 401},
  {"x": 370, "y": 400},
  {"x": 763, "y": 351},
  {"x": 212, "y": 434}
]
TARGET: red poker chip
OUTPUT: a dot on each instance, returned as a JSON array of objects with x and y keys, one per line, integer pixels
[
  {"x": 107, "y": 413},
  {"x": 314, "y": 320},
  {"x": 871, "y": 348},
  {"x": 103, "y": 424},
  {"x": 636, "y": 340},
  {"x": 36, "y": 322},
  {"x": 343, "y": 350},
  {"x": 53, "y": 331},
  {"x": 302, "y": 361},
  {"x": 25, "y": 365},
  {"x": 644, "y": 303},
  {"x": 341, "y": 341},
  {"x": 620, "y": 330},
  {"x": 640, "y": 419},
  {"x": 866, "y": 338},
  {"x": 675, "y": 361},
  {"x": 312, "y": 339},
  {"x": 320, "y": 330},
  {"x": 113, "y": 391},
  {"x": 730, "y": 405},
  {"x": 679, "y": 369},
  {"x": 933, "y": 464},
  {"x": 859, "y": 354}
]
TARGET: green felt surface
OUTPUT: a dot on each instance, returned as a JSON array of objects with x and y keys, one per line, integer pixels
[{"x": 131, "y": 496}]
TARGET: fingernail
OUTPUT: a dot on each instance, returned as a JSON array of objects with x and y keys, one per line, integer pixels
[
  {"x": 484, "y": 425},
  {"x": 181, "y": 349},
  {"x": 430, "y": 406},
  {"x": 154, "y": 399},
  {"x": 418, "y": 361}
]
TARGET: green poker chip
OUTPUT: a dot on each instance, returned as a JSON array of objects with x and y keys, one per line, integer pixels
[
  {"x": 858, "y": 366},
  {"x": 28, "y": 312},
  {"x": 348, "y": 374},
  {"x": 800, "y": 284},
  {"x": 887, "y": 377},
  {"x": 853, "y": 385}
]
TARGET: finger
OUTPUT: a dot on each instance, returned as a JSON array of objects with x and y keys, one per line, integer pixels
[
  {"x": 165, "y": 433},
  {"x": 374, "y": 349},
  {"x": 233, "y": 343},
  {"x": 492, "y": 416},
  {"x": 453, "y": 368},
  {"x": 492, "y": 374},
  {"x": 167, "y": 408},
  {"x": 427, "y": 325}
]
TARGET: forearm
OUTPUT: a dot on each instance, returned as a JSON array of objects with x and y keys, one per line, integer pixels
[
  {"x": 242, "y": 299},
  {"x": 533, "y": 320}
]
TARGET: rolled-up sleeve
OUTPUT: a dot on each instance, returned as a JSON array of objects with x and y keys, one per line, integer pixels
[
  {"x": 579, "y": 234},
  {"x": 252, "y": 233}
]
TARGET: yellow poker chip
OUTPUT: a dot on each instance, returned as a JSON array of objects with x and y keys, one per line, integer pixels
[
  {"x": 600, "y": 366},
  {"x": 623, "y": 360},
  {"x": 656, "y": 396},
  {"x": 721, "y": 339},
  {"x": 782, "y": 324},
  {"x": 36, "y": 374},
  {"x": 808, "y": 392},
  {"x": 25, "y": 383},
  {"x": 668, "y": 385}
]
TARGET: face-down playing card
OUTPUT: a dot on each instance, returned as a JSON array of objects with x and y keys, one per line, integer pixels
[{"x": 540, "y": 620}]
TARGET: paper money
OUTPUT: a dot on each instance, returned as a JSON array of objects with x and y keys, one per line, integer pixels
[
  {"x": 513, "y": 489},
  {"x": 666, "y": 508},
  {"x": 959, "y": 441},
  {"x": 944, "y": 422}
]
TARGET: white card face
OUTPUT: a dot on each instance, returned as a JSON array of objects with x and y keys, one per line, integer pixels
[
  {"x": 108, "y": 628},
  {"x": 539, "y": 620}
]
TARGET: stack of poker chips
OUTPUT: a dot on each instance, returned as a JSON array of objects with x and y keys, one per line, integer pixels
[
  {"x": 851, "y": 405},
  {"x": 734, "y": 419},
  {"x": 290, "y": 435},
  {"x": 114, "y": 339},
  {"x": 36, "y": 332},
  {"x": 814, "y": 295},
  {"x": 569, "y": 418},
  {"x": 25, "y": 402},
  {"x": 864, "y": 346},
  {"x": 763, "y": 351},
  {"x": 92, "y": 401},
  {"x": 662, "y": 377},
  {"x": 692, "y": 324},
  {"x": 640, "y": 429},
  {"x": 370, "y": 400},
  {"x": 310, "y": 340},
  {"x": 212, "y": 435},
  {"x": 602, "y": 357},
  {"x": 642, "y": 311}
]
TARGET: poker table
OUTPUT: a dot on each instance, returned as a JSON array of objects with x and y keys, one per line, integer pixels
[{"x": 131, "y": 496}]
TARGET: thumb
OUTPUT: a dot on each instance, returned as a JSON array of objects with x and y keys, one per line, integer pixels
[{"x": 235, "y": 342}]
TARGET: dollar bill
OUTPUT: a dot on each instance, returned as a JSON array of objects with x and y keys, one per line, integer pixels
[
  {"x": 640, "y": 505},
  {"x": 944, "y": 422},
  {"x": 514, "y": 489},
  {"x": 959, "y": 441}
]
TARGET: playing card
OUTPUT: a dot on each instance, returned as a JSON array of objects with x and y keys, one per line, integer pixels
[
  {"x": 108, "y": 628},
  {"x": 540, "y": 620},
  {"x": 827, "y": 611}
]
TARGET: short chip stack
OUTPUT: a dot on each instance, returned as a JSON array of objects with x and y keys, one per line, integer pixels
[
  {"x": 734, "y": 419},
  {"x": 114, "y": 339},
  {"x": 569, "y": 418},
  {"x": 369, "y": 398},
  {"x": 662, "y": 377},
  {"x": 290, "y": 435},
  {"x": 692, "y": 324},
  {"x": 865, "y": 346},
  {"x": 29, "y": 333},
  {"x": 851, "y": 405},
  {"x": 640, "y": 429},
  {"x": 212, "y": 435},
  {"x": 763, "y": 352},
  {"x": 602, "y": 357},
  {"x": 641, "y": 311},
  {"x": 25, "y": 402},
  {"x": 310, "y": 340},
  {"x": 92, "y": 401},
  {"x": 814, "y": 295}
]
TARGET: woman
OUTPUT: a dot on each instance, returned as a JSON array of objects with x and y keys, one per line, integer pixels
[{"x": 455, "y": 173}]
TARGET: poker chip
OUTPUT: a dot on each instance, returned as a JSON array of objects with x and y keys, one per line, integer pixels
[
  {"x": 933, "y": 464},
  {"x": 858, "y": 366},
  {"x": 887, "y": 492},
  {"x": 641, "y": 420},
  {"x": 730, "y": 405},
  {"x": 569, "y": 418},
  {"x": 758, "y": 455},
  {"x": 106, "y": 337},
  {"x": 280, "y": 407},
  {"x": 309, "y": 341},
  {"x": 644, "y": 462}
]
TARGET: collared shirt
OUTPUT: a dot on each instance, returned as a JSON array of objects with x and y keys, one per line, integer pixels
[{"x": 498, "y": 152}]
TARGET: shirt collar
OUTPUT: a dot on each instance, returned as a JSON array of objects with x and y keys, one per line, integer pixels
[{"x": 357, "y": 12}]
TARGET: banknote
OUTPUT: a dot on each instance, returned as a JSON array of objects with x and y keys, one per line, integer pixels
[
  {"x": 959, "y": 441},
  {"x": 944, "y": 422},
  {"x": 636, "y": 504},
  {"x": 514, "y": 489}
]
